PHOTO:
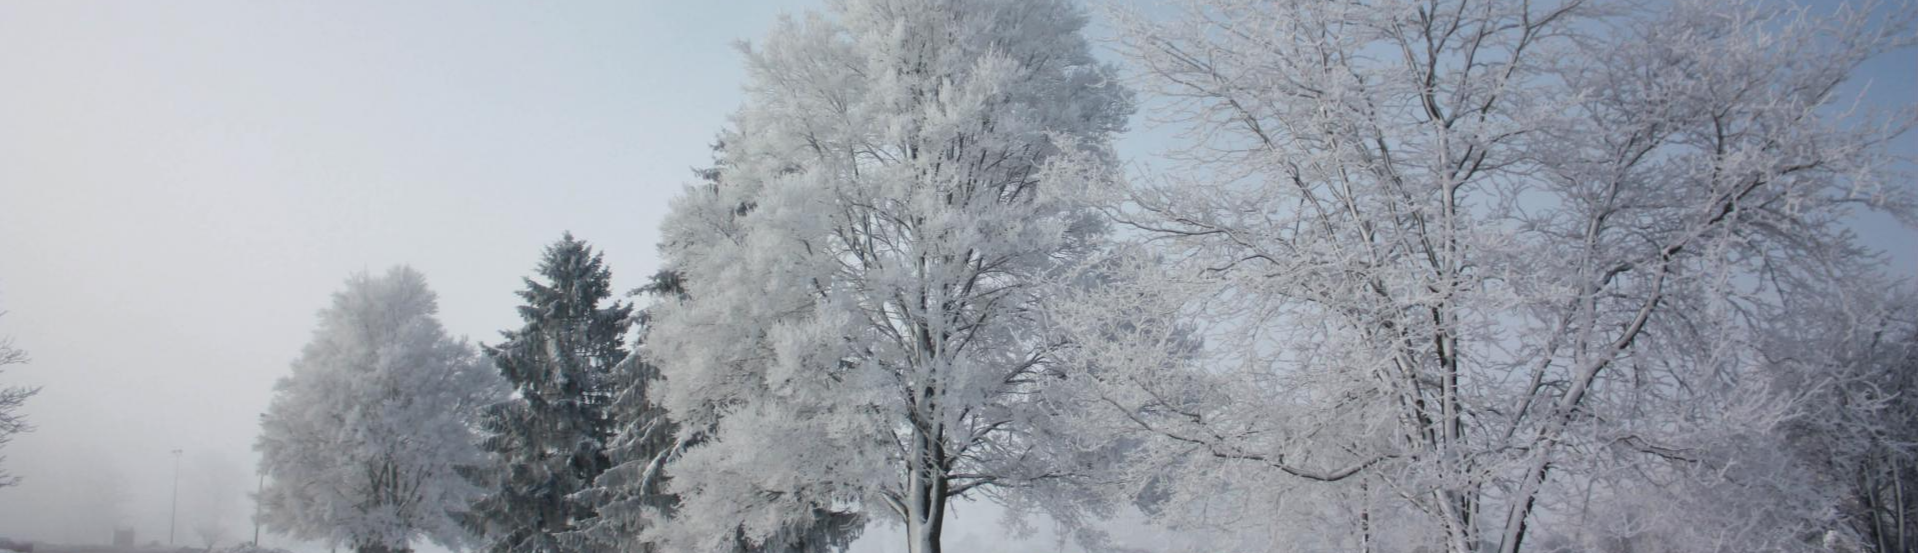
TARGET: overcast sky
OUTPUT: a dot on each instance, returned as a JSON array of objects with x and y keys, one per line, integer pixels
[{"x": 182, "y": 185}]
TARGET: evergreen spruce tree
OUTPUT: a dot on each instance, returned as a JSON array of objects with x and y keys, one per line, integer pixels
[
  {"x": 549, "y": 441},
  {"x": 629, "y": 495}
]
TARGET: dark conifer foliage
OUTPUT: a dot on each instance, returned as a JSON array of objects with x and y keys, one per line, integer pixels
[{"x": 550, "y": 438}]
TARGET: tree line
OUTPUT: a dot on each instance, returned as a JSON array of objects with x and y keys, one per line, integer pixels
[{"x": 1441, "y": 275}]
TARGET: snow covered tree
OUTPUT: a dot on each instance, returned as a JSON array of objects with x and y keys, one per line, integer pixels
[
  {"x": 631, "y": 496},
  {"x": 627, "y": 496},
  {"x": 210, "y": 533},
  {"x": 370, "y": 443},
  {"x": 1856, "y": 361},
  {"x": 212, "y": 487},
  {"x": 860, "y": 328},
  {"x": 11, "y": 399},
  {"x": 548, "y": 441},
  {"x": 1455, "y": 260}
]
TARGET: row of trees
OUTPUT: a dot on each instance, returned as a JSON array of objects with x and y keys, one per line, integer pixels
[{"x": 1460, "y": 275}]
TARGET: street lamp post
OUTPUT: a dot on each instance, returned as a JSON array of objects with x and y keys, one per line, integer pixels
[
  {"x": 173, "y": 517},
  {"x": 258, "y": 492},
  {"x": 256, "y": 509}
]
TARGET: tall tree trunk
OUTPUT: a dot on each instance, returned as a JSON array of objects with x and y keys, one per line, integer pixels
[
  {"x": 926, "y": 493},
  {"x": 925, "y": 512}
]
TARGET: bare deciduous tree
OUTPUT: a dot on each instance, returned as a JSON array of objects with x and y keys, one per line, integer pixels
[{"x": 12, "y": 421}]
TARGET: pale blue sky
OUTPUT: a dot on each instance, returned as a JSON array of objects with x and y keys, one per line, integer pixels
[{"x": 182, "y": 184}]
